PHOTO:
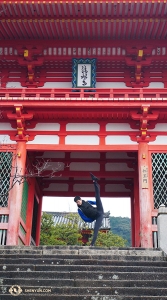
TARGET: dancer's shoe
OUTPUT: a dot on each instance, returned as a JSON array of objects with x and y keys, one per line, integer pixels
[{"x": 94, "y": 178}]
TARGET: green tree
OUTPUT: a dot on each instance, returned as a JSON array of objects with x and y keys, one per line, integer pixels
[
  {"x": 122, "y": 227},
  {"x": 47, "y": 230},
  {"x": 59, "y": 234},
  {"x": 109, "y": 239}
]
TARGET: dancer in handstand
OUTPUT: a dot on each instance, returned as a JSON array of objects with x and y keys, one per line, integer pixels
[{"x": 89, "y": 213}]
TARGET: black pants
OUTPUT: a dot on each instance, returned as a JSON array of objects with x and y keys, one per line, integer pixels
[{"x": 100, "y": 211}]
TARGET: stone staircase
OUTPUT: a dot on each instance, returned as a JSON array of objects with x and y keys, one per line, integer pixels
[{"x": 86, "y": 273}]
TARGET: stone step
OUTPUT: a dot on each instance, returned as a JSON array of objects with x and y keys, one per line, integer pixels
[
  {"x": 82, "y": 283},
  {"x": 98, "y": 268},
  {"x": 94, "y": 291},
  {"x": 82, "y": 273},
  {"x": 85, "y": 275},
  {"x": 77, "y": 257},
  {"x": 78, "y": 297},
  {"x": 64, "y": 247},
  {"x": 89, "y": 268},
  {"x": 82, "y": 261},
  {"x": 80, "y": 251}
]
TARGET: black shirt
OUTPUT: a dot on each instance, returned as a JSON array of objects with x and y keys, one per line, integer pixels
[{"x": 88, "y": 210}]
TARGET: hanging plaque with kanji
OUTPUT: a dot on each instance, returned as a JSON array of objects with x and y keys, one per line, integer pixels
[
  {"x": 144, "y": 175},
  {"x": 84, "y": 73}
]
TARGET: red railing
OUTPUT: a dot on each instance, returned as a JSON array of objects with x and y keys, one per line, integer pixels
[{"x": 101, "y": 94}]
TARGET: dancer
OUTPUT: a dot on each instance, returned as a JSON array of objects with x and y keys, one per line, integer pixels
[{"x": 89, "y": 213}]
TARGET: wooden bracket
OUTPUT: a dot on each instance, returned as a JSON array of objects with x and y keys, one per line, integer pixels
[
  {"x": 144, "y": 117},
  {"x": 20, "y": 118}
]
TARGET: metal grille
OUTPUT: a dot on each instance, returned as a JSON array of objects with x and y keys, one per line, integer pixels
[
  {"x": 4, "y": 218},
  {"x": 3, "y": 235},
  {"x": 3, "y": 232},
  {"x": 24, "y": 202},
  {"x": 5, "y": 169},
  {"x": 159, "y": 176},
  {"x": 22, "y": 230}
]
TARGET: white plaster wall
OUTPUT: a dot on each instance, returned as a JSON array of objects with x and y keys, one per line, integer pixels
[
  {"x": 115, "y": 188},
  {"x": 84, "y": 166},
  {"x": 160, "y": 140},
  {"x": 56, "y": 85},
  {"x": 57, "y": 166},
  {"x": 82, "y": 140},
  {"x": 82, "y": 187},
  {"x": 112, "y": 155},
  {"x": 46, "y": 127},
  {"x": 53, "y": 154},
  {"x": 88, "y": 154},
  {"x": 118, "y": 127},
  {"x": 82, "y": 127},
  {"x": 5, "y": 139},
  {"x": 155, "y": 85},
  {"x": 111, "y": 85},
  {"x": 119, "y": 140},
  {"x": 117, "y": 167},
  {"x": 108, "y": 85},
  {"x": 57, "y": 187},
  {"x": 14, "y": 85},
  {"x": 160, "y": 127},
  {"x": 6, "y": 126},
  {"x": 45, "y": 139}
]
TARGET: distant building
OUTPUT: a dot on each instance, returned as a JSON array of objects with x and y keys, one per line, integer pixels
[{"x": 86, "y": 228}]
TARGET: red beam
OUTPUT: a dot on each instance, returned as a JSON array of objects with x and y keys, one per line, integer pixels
[
  {"x": 85, "y": 174},
  {"x": 86, "y": 194},
  {"x": 75, "y": 18},
  {"x": 118, "y": 94},
  {"x": 76, "y": 1},
  {"x": 72, "y": 181},
  {"x": 139, "y": 44},
  {"x": 86, "y": 105},
  {"x": 67, "y": 58},
  {"x": 114, "y": 160}
]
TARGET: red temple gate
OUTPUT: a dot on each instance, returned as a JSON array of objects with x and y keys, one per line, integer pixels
[{"x": 116, "y": 130}]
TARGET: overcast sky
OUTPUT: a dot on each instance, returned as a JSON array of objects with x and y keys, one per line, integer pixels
[{"x": 118, "y": 207}]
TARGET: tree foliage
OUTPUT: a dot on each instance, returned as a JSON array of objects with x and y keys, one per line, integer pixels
[
  {"x": 59, "y": 234},
  {"x": 122, "y": 227},
  {"x": 109, "y": 239},
  {"x": 70, "y": 234}
]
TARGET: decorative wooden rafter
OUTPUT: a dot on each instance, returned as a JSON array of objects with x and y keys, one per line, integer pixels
[{"x": 135, "y": 65}]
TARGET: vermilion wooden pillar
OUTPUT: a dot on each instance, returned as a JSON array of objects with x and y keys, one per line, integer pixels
[
  {"x": 145, "y": 202},
  {"x": 132, "y": 221},
  {"x": 15, "y": 200},
  {"x": 39, "y": 215},
  {"x": 136, "y": 211},
  {"x": 30, "y": 210}
]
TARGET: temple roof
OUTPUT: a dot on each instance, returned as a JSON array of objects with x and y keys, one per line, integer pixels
[
  {"x": 64, "y": 218},
  {"x": 87, "y": 29},
  {"x": 83, "y": 20}
]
